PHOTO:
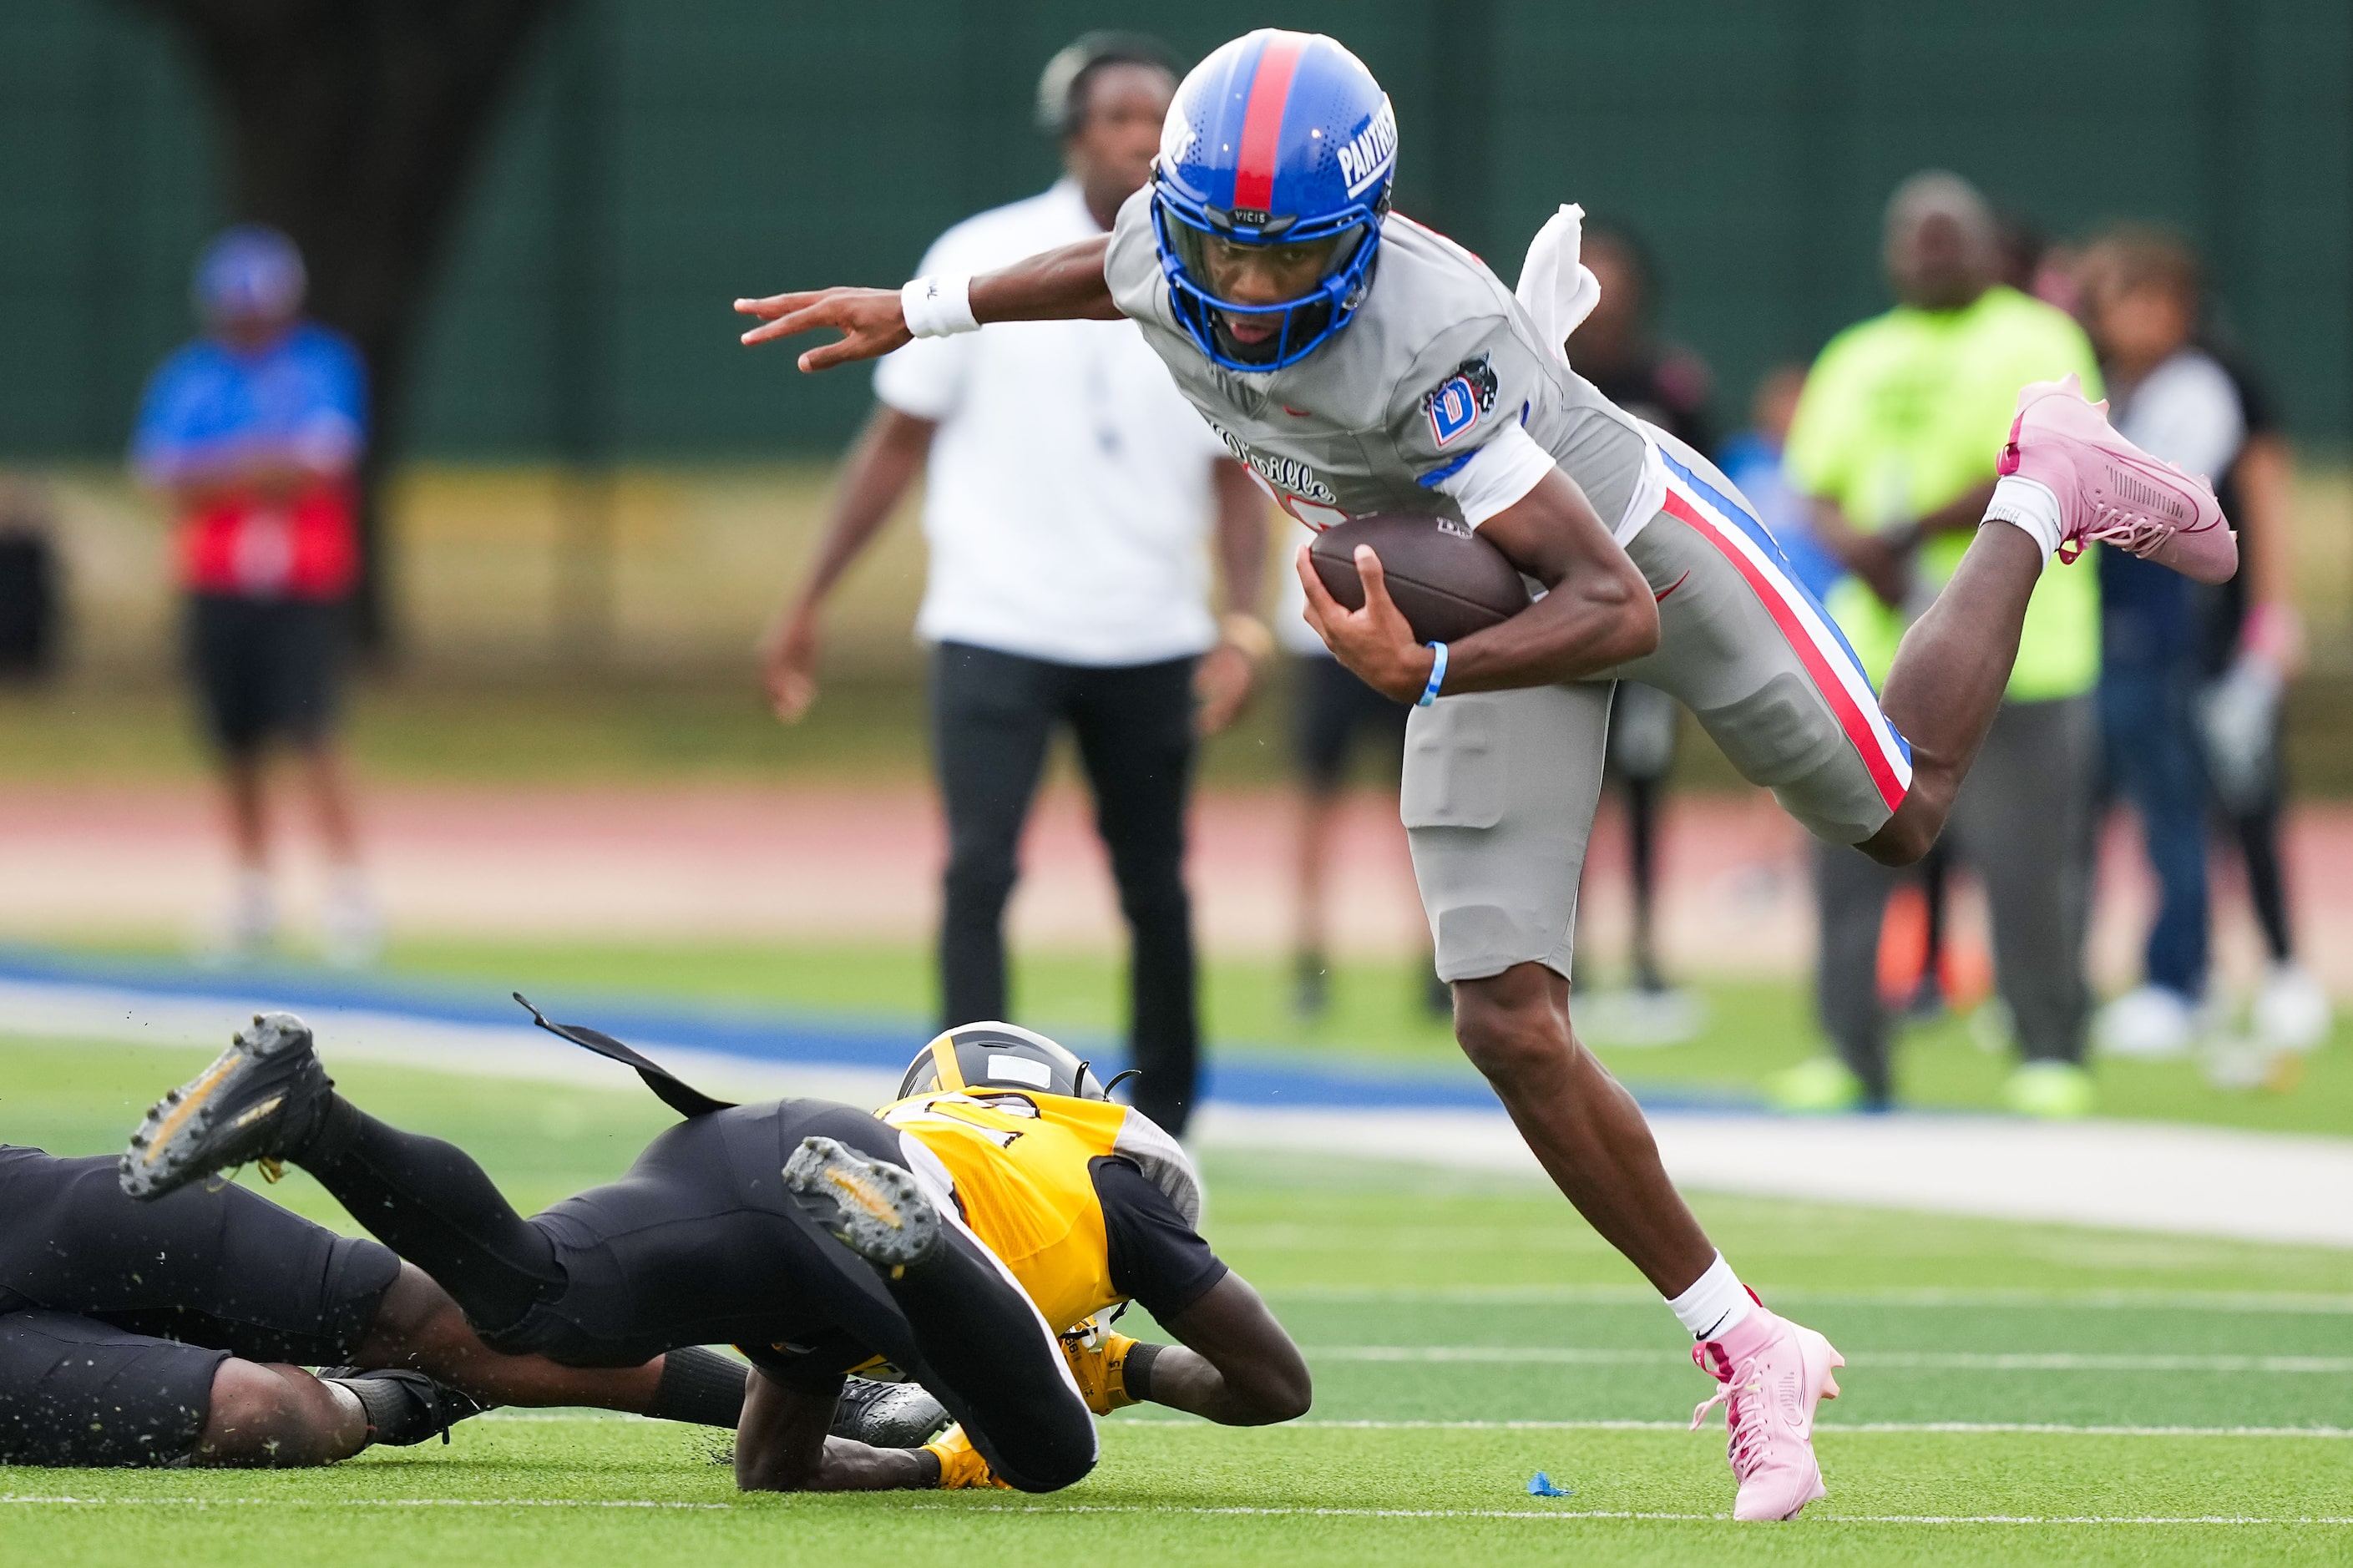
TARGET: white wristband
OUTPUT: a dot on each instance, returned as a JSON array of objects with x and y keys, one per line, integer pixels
[{"x": 938, "y": 306}]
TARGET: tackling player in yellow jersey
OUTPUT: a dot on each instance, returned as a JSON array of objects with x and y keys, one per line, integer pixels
[
  {"x": 1089, "y": 1204},
  {"x": 1001, "y": 1200}
]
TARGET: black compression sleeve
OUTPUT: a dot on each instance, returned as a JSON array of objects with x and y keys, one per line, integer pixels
[
  {"x": 702, "y": 1386},
  {"x": 1156, "y": 1258},
  {"x": 1135, "y": 1373}
]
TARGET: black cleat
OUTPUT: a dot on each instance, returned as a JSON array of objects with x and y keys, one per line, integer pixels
[
  {"x": 261, "y": 1098},
  {"x": 403, "y": 1408},
  {"x": 872, "y": 1207},
  {"x": 889, "y": 1415}
]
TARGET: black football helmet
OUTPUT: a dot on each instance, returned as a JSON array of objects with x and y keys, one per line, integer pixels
[{"x": 1003, "y": 1057}]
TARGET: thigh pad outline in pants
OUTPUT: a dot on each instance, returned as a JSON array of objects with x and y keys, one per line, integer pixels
[
  {"x": 1498, "y": 799},
  {"x": 1761, "y": 666}
]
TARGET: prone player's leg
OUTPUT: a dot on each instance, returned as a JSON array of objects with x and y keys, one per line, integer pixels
[
  {"x": 229, "y": 1271},
  {"x": 986, "y": 1352},
  {"x": 79, "y": 1390},
  {"x": 419, "y": 1325},
  {"x": 267, "y": 1097}
]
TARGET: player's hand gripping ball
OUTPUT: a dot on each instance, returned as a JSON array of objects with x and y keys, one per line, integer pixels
[{"x": 1443, "y": 578}]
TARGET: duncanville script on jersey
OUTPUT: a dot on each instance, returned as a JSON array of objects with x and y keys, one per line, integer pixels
[{"x": 1437, "y": 361}]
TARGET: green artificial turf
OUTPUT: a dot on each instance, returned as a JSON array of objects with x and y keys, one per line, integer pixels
[{"x": 1465, "y": 1331}]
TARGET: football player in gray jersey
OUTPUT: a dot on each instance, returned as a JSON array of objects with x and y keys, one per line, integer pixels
[{"x": 1358, "y": 363}]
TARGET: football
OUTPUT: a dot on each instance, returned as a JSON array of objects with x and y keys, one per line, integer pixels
[{"x": 1448, "y": 582}]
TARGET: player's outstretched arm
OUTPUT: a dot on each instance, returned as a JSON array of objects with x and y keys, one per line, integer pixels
[
  {"x": 1063, "y": 285},
  {"x": 1597, "y": 612},
  {"x": 781, "y": 1446},
  {"x": 1236, "y": 1366}
]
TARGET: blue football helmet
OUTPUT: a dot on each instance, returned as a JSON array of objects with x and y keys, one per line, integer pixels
[{"x": 1276, "y": 139}]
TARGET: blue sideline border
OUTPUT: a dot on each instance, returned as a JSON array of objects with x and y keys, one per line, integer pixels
[{"x": 1237, "y": 1073}]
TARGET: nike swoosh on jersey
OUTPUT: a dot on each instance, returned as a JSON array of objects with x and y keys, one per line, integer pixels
[{"x": 1661, "y": 594}]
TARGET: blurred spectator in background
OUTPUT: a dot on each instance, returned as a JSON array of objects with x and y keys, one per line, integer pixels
[
  {"x": 1331, "y": 711},
  {"x": 1619, "y": 349},
  {"x": 1752, "y": 460},
  {"x": 2020, "y": 246},
  {"x": 253, "y": 432},
  {"x": 2174, "y": 657},
  {"x": 1071, "y": 496},
  {"x": 30, "y": 602},
  {"x": 2252, "y": 640},
  {"x": 1895, "y": 440}
]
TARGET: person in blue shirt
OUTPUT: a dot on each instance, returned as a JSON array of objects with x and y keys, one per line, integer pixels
[
  {"x": 1752, "y": 460},
  {"x": 253, "y": 433}
]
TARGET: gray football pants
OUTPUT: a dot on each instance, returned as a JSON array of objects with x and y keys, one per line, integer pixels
[
  {"x": 1500, "y": 786},
  {"x": 2018, "y": 821}
]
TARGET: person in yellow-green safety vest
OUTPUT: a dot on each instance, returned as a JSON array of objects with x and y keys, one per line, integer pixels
[{"x": 1893, "y": 443}]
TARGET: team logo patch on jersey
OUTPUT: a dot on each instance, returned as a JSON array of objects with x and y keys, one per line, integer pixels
[{"x": 1455, "y": 404}]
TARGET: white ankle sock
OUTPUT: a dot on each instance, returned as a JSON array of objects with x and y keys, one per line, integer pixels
[
  {"x": 2028, "y": 504},
  {"x": 1715, "y": 1301}
]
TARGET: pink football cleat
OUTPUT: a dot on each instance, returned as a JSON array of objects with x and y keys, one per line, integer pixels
[
  {"x": 2110, "y": 490},
  {"x": 1773, "y": 1373}
]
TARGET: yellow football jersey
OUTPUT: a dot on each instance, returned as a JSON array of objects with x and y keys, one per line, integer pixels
[{"x": 1021, "y": 1167}]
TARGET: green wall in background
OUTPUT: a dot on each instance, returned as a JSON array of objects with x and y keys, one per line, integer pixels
[{"x": 746, "y": 146}]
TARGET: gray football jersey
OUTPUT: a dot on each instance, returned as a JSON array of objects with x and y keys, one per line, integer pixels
[{"x": 1437, "y": 360}]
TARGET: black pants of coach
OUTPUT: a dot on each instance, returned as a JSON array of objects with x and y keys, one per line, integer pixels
[
  {"x": 992, "y": 716},
  {"x": 699, "y": 1244}
]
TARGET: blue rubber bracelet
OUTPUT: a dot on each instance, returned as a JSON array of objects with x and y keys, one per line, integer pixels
[{"x": 1437, "y": 675}]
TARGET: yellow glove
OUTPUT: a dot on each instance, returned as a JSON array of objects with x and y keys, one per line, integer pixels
[
  {"x": 961, "y": 1465},
  {"x": 1098, "y": 1361}
]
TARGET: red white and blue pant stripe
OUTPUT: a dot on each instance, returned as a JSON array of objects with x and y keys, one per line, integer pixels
[{"x": 1749, "y": 546}]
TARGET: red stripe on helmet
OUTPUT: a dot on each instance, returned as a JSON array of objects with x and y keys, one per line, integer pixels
[{"x": 1262, "y": 121}]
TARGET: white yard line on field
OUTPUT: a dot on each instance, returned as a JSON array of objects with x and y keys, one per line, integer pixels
[
  {"x": 1200, "y": 1511},
  {"x": 1642, "y": 1295},
  {"x": 2128, "y": 1176},
  {"x": 355, "y": 1503},
  {"x": 1862, "y": 1428},
  {"x": 1563, "y": 1514},
  {"x": 1936, "y": 1360}
]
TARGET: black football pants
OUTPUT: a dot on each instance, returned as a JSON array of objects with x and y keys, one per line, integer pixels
[
  {"x": 992, "y": 715},
  {"x": 116, "y": 1315},
  {"x": 699, "y": 1244}
]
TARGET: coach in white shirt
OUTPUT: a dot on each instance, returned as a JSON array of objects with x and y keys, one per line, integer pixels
[{"x": 1073, "y": 497}]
